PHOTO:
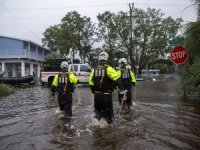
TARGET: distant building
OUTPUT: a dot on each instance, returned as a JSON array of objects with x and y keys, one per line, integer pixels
[
  {"x": 150, "y": 73},
  {"x": 19, "y": 57}
]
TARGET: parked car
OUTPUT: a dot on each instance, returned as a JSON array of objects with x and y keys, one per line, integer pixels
[{"x": 51, "y": 68}]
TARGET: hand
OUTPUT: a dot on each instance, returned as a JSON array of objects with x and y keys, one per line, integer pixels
[
  {"x": 92, "y": 89},
  {"x": 134, "y": 84},
  {"x": 53, "y": 94}
]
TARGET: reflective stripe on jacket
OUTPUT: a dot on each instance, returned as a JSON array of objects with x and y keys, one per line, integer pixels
[
  {"x": 102, "y": 78},
  {"x": 64, "y": 82},
  {"x": 127, "y": 77}
]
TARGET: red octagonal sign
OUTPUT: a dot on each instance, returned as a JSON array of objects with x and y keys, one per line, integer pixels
[{"x": 179, "y": 55}]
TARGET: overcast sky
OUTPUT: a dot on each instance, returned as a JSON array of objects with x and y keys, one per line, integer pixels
[{"x": 28, "y": 19}]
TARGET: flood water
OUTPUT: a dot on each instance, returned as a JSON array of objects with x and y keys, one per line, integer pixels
[{"x": 161, "y": 120}]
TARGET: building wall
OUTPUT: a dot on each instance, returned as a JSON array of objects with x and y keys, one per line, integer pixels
[
  {"x": 10, "y": 47},
  {"x": 14, "y": 48},
  {"x": 21, "y": 58}
]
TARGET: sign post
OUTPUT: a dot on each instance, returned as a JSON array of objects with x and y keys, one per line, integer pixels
[{"x": 179, "y": 55}]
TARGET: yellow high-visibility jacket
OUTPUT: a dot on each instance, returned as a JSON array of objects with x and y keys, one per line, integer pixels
[
  {"x": 111, "y": 73},
  {"x": 72, "y": 78},
  {"x": 132, "y": 76}
]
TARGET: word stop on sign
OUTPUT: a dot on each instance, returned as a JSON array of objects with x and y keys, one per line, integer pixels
[{"x": 179, "y": 55}]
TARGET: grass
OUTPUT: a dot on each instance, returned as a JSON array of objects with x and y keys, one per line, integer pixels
[{"x": 6, "y": 90}]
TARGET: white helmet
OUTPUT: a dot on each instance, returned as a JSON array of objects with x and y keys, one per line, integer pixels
[
  {"x": 64, "y": 64},
  {"x": 103, "y": 56},
  {"x": 122, "y": 60}
]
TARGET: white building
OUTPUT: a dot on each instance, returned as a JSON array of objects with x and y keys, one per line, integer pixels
[{"x": 19, "y": 57}]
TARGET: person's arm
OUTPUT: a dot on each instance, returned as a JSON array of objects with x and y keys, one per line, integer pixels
[
  {"x": 113, "y": 75},
  {"x": 133, "y": 80},
  {"x": 54, "y": 85},
  {"x": 91, "y": 82},
  {"x": 73, "y": 79}
]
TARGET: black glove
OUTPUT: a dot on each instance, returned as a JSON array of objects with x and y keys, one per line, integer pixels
[
  {"x": 53, "y": 93},
  {"x": 92, "y": 89},
  {"x": 53, "y": 88},
  {"x": 134, "y": 84},
  {"x": 119, "y": 84}
]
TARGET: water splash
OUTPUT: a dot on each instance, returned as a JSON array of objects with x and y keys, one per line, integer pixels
[{"x": 101, "y": 124}]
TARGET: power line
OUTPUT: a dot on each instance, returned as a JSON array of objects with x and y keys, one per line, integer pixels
[
  {"x": 100, "y": 5},
  {"x": 20, "y": 21},
  {"x": 67, "y": 7}
]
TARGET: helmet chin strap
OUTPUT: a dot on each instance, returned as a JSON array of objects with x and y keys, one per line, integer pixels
[
  {"x": 65, "y": 69},
  {"x": 102, "y": 62},
  {"x": 123, "y": 65}
]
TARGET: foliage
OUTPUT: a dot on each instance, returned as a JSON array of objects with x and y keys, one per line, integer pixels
[
  {"x": 191, "y": 73},
  {"x": 6, "y": 90},
  {"x": 52, "y": 37},
  {"x": 74, "y": 34},
  {"x": 151, "y": 34},
  {"x": 191, "y": 78},
  {"x": 192, "y": 40},
  {"x": 196, "y": 3},
  {"x": 53, "y": 55}
]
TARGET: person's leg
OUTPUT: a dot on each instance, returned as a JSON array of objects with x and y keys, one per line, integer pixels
[
  {"x": 98, "y": 105},
  {"x": 68, "y": 105},
  {"x": 107, "y": 108},
  {"x": 119, "y": 99},
  {"x": 60, "y": 102},
  {"x": 129, "y": 99}
]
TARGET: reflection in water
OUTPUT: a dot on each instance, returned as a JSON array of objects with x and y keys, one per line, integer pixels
[{"x": 161, "y": 119}]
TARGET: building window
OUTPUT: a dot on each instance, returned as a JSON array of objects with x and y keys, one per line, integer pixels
[{"x": 25, "y": 45}]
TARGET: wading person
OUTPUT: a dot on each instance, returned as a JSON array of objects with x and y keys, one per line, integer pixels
[
  {"x": 101, "y": 81},
  {"x": 128, "y": 79},
  {"x": 63, "y": 83}
]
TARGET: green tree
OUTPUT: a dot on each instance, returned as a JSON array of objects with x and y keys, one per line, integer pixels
[
  {"x": 87, "y": 38},
  {"x": 108, "y": 34},
  {"x": 52, "y": 37},
  {"x": 74, "y": 33},
  {"x": 196, "y": 3},
  {"x": 77, "y": 34},
  {"x": 151, "y": 33},
  {"x": 191, "y": 71}
]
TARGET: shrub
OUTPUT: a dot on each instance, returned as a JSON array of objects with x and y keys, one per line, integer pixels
[{"x": 6, "y": 90}]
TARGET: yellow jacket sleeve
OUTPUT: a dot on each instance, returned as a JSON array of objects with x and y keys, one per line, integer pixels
[
  {"x": 55, "y": 81},
  {"x": 72, "y": 78},
  {"x": 119, "y": 73},
  {"x": 90, "y": 81},
  {"x": 112, "y": 74},
  {"x": 132, "y": 77}
]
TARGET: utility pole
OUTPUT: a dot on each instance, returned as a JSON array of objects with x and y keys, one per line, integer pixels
[{"x": 131, "y": 6}]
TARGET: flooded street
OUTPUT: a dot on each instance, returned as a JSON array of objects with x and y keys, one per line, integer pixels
[{"x": 161, "y": 120}]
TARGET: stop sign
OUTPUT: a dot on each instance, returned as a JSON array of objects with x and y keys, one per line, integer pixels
[{"x": 179, "y": 55}]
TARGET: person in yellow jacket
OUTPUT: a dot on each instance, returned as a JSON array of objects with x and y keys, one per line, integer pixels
[
  {"x": 128, "y": 79},
  {"x": 101, "y": 81},
  {"x": 64, "y": 83}
]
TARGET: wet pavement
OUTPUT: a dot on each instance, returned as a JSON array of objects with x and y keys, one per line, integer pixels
[{"x": 161, "y": 120}]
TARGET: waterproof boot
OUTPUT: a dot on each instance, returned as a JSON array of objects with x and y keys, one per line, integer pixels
[
  {"x": 108, "y": 119},
  {"x": 98, "y": 115}
]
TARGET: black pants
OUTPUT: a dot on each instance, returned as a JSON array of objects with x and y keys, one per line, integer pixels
[
  {"x": 65, "y": 103},
  {"x": 128, "y": 101},
  {"x": 103, "y": 106}
]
